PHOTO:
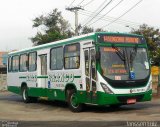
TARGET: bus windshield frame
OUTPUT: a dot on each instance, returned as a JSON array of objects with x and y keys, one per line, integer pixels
[
  {"x": 127, "y": 49},
  {"x": 125, "y": 63}
]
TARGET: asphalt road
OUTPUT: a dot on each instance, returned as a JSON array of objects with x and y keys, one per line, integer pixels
[{"x": 12, "y": 108}]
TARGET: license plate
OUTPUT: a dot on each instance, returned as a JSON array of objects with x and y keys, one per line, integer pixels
[{"x": 131, "y": 101}]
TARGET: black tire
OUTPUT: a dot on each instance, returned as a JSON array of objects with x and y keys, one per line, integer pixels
[
  {"x": 34, "y": 99},
  {"x": 74, "y": 106},
  {"x": 115, "y": 106},
  {"x": 25, "y": 96}
]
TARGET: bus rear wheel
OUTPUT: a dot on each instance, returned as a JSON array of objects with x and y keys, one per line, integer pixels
[
  {"x": 73, "y": 101},
  {"x": 25, "y": 96}
]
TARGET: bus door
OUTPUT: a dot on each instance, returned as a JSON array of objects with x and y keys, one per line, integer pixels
[
  {"x": 42, "y": 70},
  {"x": 90, "y": 74}
]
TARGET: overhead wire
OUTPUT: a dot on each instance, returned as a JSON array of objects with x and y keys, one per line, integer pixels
[
  {"x": 99, "y": 12},
  {"x": 120, "y": 21},
  {"x": 88, "y": 3},
  {"x": 107, "y": 12},
  {"x": 72, "y": 3},
  {"x": 123, "y": 14},
  {"x": 81, "y": 2},
  {"x": 95, "y": 11},
  {"x": 108, "y": 17},
  {"x": 124, "y": 23}
]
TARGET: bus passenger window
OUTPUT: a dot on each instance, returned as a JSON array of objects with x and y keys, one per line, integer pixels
[
  {"x": 9, "y": 64},
  {"x": 56, "y": 58},
  {"x": 86, "y": 62},
  {"x": 93, "y": 64},
  {"x": 32, "y": 61},
  {"x": 72, "y": 56},
  {"x": 23, "y": 62},
  {"x": 15, "y": 63}
]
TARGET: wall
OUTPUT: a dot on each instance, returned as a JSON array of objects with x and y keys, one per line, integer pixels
[
  {"x": 3, "y": 82},
  {"x": 3, "y": 58}
]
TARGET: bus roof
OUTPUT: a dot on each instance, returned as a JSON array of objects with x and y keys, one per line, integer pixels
[{"x": 69, "y": 41}]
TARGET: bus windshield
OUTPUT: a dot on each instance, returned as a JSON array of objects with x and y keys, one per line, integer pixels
[{"x": 118, "y": 62}]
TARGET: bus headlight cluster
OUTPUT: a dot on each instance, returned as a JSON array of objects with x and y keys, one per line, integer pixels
[{"x": 106, "y": 89}]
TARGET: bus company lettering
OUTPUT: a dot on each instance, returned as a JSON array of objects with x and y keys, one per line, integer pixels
[
  {"x": 61, "y": 77},
  {"x": 137, "y": 90},
  {"x": 31, "y": 78}
]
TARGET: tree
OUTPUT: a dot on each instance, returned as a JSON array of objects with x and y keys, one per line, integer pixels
[
  {"x": 53, "y": 26},
  {"x": 152, "y": 37},
  {"x": 86, "y": 30},
  {"x": 99, "y": 30}
]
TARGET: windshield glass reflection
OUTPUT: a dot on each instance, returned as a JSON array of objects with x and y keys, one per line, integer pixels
[{"x": 118, "y": 62}]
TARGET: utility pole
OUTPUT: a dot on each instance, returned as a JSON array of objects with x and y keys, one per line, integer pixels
[{"x": 75, "y": 10}]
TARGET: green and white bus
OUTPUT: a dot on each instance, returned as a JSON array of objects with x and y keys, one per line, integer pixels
[{"x": 99, "y": 69}]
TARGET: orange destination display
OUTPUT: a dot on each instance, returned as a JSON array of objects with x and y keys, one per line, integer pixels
[
  {"x": 117, "y": 39},
  {"x": 120, "y": 39}
]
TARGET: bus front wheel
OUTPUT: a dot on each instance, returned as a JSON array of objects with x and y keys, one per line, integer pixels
[
  {"x": 73, "y": 101},
  {"x": 115, "y": 106}
]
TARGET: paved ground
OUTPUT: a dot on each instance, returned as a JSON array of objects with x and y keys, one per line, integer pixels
[{"x": 12, "y": 108}]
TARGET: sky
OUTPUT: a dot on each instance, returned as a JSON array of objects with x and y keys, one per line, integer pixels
[{"x": 16, "y": 17}]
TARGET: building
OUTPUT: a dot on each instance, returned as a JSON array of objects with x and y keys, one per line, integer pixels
[{"x": 3, "y": 62}]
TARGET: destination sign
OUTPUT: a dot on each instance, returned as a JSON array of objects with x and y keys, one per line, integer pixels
[
  {"x": 119, "y": 39},
  {"x": 72, "y": 48}
]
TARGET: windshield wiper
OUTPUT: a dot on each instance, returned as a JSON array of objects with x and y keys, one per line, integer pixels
[
  {"x": 128, "y": 62},
  {"x": 119, "y": 53},
  {"x": 133, "y": 54}
]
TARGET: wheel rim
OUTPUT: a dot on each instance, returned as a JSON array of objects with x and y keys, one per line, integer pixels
[
  {"x": 24, "y": 94},
  {"x": 74, "y": 101}
]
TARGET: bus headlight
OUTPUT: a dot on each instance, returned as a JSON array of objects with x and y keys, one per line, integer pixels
[
  {"x": 106, "y": 89},
  {"x": 149, "y": 86}
]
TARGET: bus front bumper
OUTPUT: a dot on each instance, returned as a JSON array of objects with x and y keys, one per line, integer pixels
[{"x": 111, "y": 99}]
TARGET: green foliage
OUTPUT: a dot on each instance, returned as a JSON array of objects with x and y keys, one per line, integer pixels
[
  {"x": 152, "y": 37},
  {"x": 54, "y": 28},
  {"x": 99, "y": 30},
  {"x": 86, "y": 30}
]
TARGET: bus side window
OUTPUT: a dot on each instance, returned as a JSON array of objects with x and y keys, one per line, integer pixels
[
  {"x": 86, "y": 62},
  {"x": 72, "y": 56},
  {"x": 32, "y": 61},
  {"x": 56, "y": 58},
  {"x": 93, "y": 63},
  {"x": 23, "y": 62},
  {"x": 15, "y": 63},
  {"x": 9, "y": 64}
]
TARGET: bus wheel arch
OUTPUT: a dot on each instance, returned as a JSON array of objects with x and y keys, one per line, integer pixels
[
  {"x": 71, "y": 98},
  {"x": 69, "y": 87},
  {"x": 24, "y": 84}
]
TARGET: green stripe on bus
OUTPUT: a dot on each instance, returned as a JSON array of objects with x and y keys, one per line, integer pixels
[
  {"x": 22, "y": 77},
  {"x": 77, "y": 76},
  {"x": 47, "y": 77},
  {"x": 42, "y": 76}
]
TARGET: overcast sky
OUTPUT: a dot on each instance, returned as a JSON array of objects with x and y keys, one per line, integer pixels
[{"x": 16, "y": 17}]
